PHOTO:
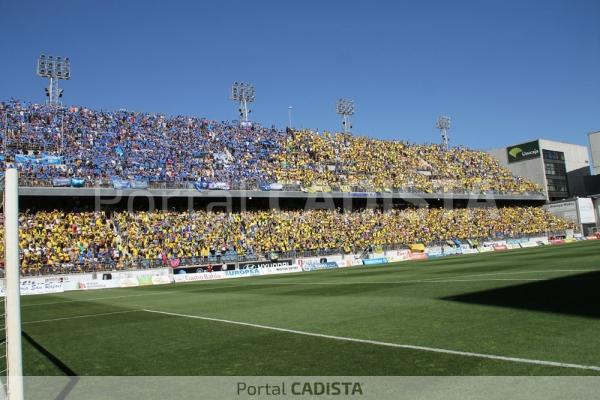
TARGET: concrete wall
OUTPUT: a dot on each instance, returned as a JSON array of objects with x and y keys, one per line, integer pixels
[
  {"x": 597, "y": 207},
  {"x": 576, "y": 156},
  {"x": 594, "y": 138},
  {"x": 531, "y": 169},
  {"x": 577, "y": 162}
]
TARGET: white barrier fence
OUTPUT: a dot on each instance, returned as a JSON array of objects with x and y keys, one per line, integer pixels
[
  {"x": 161, "y": 276},
  {"x": 237, "y": 273},
  {"x": 92, "y": 281}
]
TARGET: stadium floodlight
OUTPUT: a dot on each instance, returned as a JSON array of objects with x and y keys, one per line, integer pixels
[
  {"x": 243, "y": 93},
  {"x": 345, "y": 108},
  {"x": 54, "y": 68},
  {"x": 443, "y": 124}
]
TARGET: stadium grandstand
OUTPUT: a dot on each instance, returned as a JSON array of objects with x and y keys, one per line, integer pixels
[
  {"x": 77, "y": 146},
  {"x": 72, "y": 148},
  {"x": 359, "y": 229}
]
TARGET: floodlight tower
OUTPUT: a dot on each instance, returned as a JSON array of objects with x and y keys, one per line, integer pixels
[
  {"x": 443, "y": 124},
  {"x": 54, "y": 68},
  {"x": 345, "y": 108},
  {"x": 243, "y": 93}
]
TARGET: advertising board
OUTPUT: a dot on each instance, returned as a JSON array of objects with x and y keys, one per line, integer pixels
[
  {"x": 523, "y": 151},
  {"x": 375, "y": 261}
]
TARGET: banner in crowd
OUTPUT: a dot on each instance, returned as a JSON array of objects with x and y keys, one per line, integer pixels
[
  {"x": 77, "y": 182},
  {"x": 199, "y": 186},
  {"x": 375, "y": 261},
  {"x": 61, "y": 182},
  {"x": 271, "y": 186},
  {"x": 121, "y": 183},
  {"x": 42, "y": 160},
  {"x": 138, "y": 184},
  {"x": 218, "y": 186}
]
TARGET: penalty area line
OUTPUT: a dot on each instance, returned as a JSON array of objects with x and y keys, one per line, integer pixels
[{"x": 386, "y": 344}]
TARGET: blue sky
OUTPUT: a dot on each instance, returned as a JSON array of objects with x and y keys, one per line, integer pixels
[{"x": 505, "y": 71}]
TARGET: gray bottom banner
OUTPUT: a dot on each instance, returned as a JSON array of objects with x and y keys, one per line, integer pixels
[{"x": 303, "y": 387}]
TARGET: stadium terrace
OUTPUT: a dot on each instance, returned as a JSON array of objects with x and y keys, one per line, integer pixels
[{"x": 81, "y": 147}]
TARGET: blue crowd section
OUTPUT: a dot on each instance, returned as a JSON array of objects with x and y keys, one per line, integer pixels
[
  {"x": 78, "y": 146},
  {"x": 76, "y": 142}
]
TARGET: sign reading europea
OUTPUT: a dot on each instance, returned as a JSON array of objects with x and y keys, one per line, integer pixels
[{"x": 523, "y": 151}]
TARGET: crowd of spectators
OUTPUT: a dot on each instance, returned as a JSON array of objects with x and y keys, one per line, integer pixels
[
  {"x": 340, "y": 159},
  {"x": 98, "y": 146},
  {"x": 64, "y": 241},
  {"x": 59, "y": 241}
]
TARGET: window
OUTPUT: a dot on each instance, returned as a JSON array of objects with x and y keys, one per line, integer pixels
[
  {"x": 555, "y": 168},
  {"x": 554, "y": 155}
]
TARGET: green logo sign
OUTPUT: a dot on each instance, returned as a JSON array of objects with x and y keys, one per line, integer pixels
[
  {"x": 515, "y": 151},
  {"x": 524, "y": 151}
]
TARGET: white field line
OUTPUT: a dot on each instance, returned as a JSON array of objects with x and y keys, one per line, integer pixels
[
  {"x": 79, "y": 316},
  {"x": 387, "y": 344}
]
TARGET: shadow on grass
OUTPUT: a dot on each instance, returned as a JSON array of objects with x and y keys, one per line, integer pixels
[{"x": 577, "y": 295}]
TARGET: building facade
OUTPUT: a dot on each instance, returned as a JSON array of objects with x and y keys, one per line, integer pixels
[
  {"x": 559, "y": 168},
  {"x": 594, "y": 138},
  {"x": 579, "y": 210}
]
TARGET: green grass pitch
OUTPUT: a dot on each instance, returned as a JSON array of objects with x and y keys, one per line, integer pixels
[{"x": 524, "y": 308}]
